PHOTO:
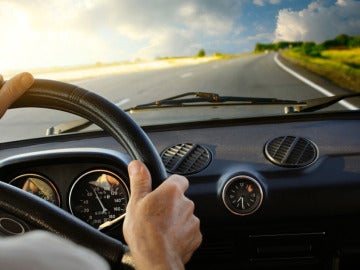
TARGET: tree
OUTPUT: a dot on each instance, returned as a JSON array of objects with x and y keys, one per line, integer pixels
[
  {"x": 201, "y": 53},
  {"x": 354, "y": 42},
  {"x": 339, "y": 41}
]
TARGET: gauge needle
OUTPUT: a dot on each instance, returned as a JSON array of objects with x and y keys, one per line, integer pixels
[
  {"x": 112, "y": 222},
  {"x": 104, "y": 210},
  {"x": 241, "y": 199}
]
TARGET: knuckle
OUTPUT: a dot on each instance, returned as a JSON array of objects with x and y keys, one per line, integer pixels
[
  {"x": 184, "y": 181},
  {"x": 199, "y": 236},
  {"x": 180, "y": 182},
  {"x": 173, "y": 187},
  {"x": 197, "y": 223},
  {"x": 190, "y": 205},
  {"x": 200, "y": 240}
]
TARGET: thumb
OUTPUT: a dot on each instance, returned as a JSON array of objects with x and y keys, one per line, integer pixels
[
  {"x": 140, "y": 179},
  {"x": 13, "y": 89}
]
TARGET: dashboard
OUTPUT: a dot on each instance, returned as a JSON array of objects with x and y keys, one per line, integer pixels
[{"x": 270, "y": 192}]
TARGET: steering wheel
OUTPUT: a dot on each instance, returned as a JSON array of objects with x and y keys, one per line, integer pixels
[{"x": 35, "y": 211}]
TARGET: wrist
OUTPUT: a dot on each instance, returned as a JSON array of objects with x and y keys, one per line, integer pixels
[{"x": 156, "y": 262}]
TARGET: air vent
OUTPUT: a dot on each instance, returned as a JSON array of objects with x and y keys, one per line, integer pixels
[
  {"x": 291, "y": 151},
  {"x": 186, "y": 158}
]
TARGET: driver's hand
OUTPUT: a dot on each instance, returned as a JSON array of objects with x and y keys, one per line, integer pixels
[
  {"x": 13, "y": 89},
  {"x": 160, "y": 226}
]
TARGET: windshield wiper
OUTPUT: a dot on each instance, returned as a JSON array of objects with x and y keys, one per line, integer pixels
[
  {"x": 212, "y": 99},
  {"x": 72, "y": 126},
  {"x": 209, "y": 99}
]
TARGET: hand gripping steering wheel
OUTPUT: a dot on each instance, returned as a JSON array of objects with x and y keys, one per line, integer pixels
[{"x": 33, "y": 210}]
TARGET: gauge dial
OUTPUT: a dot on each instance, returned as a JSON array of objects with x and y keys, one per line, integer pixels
[
  {"x": 39, "y": 186},
  {"x": 98, "y": 196},
  {"x": 242, "y": 195}
]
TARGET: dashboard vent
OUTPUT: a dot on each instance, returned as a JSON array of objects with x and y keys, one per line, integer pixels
[
  {"x": 186, "y": 158},
  {"x": 291, "y": 151}
]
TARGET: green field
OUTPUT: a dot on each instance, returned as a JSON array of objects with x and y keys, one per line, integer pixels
[{"x": 340, "y": 66}]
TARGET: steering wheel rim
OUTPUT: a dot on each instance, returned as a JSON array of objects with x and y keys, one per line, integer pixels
[{"x": 73, "y": 99}]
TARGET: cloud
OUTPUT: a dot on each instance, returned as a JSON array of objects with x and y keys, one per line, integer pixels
[
  {"x": 263, "y": 2},
  {"x": 319, "y": 22},
  {"x": 169, "y": 43},
  {"x": 212, "y": 24},
  {"x": 178, "y": 28},
  {"x": 261, "y": 36}
]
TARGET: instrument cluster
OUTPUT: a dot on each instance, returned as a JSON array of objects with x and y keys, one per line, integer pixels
[{"x": 96, "y": 196}]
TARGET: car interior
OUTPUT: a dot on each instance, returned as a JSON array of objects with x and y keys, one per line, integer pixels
[{"x": 275, "y": 192}]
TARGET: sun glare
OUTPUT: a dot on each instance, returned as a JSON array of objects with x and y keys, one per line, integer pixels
[{"x": 15, "y": 29}]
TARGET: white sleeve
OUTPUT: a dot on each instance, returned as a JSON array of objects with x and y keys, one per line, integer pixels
[{"x": 40, "y": 250}]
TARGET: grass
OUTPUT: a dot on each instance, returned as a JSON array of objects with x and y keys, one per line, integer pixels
[
  {"x": 340, "y": 66},
  {"x": 213, "y": 57}
]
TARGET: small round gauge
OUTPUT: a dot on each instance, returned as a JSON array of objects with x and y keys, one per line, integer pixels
[
  {"x": 37, "y": 185},
  {"x": 242, "y": 195},
  {"x": 98, "y": 196}
]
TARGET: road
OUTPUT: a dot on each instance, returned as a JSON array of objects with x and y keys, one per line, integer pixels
[{"x": 255, "y": 75}]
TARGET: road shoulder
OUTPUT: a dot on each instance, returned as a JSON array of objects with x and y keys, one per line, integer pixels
[{"x": 319, "y": 80}]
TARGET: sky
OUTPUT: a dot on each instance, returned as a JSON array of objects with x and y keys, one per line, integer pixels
[{"x": 47, "y": 33}]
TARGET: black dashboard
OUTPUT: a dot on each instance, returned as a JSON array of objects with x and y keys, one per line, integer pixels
[{"x": 293, "y": 206}]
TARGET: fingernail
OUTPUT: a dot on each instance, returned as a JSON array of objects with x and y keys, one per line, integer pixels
[
  {"x": 27, "y": 80},
  {"x": 134, "y": 168}
]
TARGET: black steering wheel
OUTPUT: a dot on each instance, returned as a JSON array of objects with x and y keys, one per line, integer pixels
[{"x": 33, "y": 210}]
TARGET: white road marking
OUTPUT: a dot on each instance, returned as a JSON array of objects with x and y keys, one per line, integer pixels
[
  {"x": 186, "y": 75},
  {"x": 312, "y": 84},
  {"x": 122, "y": 102}
]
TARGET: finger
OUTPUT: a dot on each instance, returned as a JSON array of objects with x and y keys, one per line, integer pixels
[
  {"x": 180, "y": 181},
  {"x": 140, "y": 179},
  {"x": 13, "y": 89}
]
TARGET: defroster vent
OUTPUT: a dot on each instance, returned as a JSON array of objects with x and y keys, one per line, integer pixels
[
  {"x": 186, "y": 158},
  {"x": 291, "y": 151}
]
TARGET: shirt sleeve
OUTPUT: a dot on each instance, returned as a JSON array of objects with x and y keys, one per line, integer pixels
[{"x": 42, "y": 250}]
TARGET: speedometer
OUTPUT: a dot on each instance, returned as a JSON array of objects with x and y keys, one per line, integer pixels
[{"x": 98, "y": 196}]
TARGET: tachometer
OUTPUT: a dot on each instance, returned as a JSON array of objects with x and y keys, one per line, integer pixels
[
  {"x": 37, "y": 185},
  {"x": 98, "y": 196}
]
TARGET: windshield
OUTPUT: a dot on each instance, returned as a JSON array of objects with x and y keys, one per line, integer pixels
[{"x": 135, "y": 52}]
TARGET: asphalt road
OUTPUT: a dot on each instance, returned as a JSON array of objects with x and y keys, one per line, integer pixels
[{"x": 255, "y": 75}]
